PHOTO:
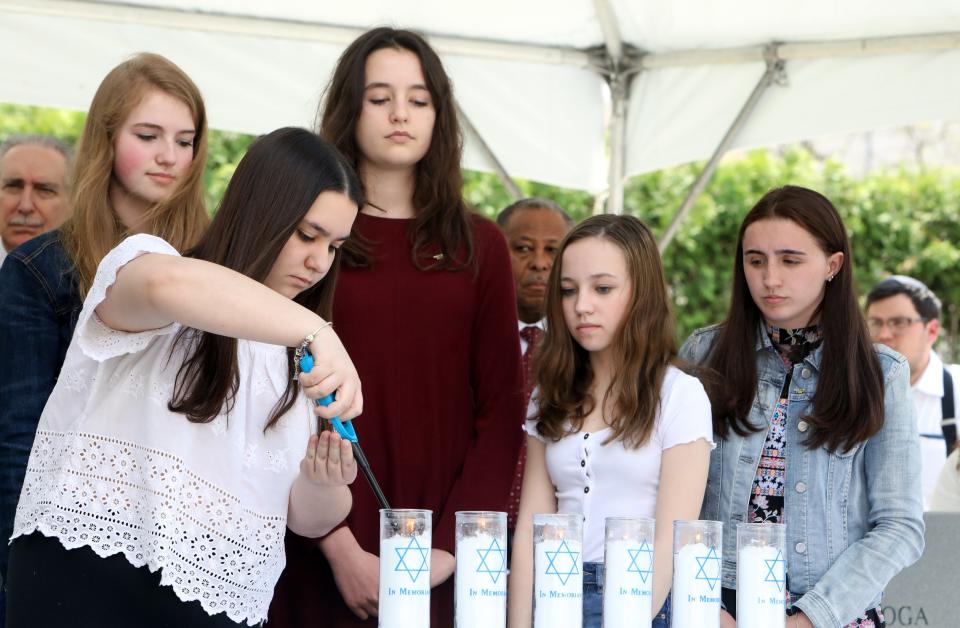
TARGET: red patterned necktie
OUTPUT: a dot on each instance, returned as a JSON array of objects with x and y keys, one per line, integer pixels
[{"x": 532, "y": 335}]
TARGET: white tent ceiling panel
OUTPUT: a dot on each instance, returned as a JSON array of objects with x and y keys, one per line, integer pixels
[
  {"x": 249, "y": 85},
  {"x": 709, "y": 24},
  {"x": 680, "y": 114},
  {"x": 570, "y": 23},
  {"x": 826, "y": 97},
  {"x": 545, "y": 122},
  {"x": 521, "y": 69}
]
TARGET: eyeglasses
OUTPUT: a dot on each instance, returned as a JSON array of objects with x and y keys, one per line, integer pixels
[{"x": 896, "y": 324}]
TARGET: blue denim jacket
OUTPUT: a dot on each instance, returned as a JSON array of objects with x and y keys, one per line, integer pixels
[
  {"x": 854, "y": 519},
  {"x": 39, "y": 306}
]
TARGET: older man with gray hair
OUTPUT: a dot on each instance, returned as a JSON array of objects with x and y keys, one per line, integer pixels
[{"x": 34, "y": 188}]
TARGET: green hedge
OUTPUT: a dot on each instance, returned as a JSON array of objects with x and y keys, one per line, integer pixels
[
  {"x": 902, "y": 221},
  {"x": 224, "y": 149}
]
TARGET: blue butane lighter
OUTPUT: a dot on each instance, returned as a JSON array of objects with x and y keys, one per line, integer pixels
[{"x": 346, "y": 431}]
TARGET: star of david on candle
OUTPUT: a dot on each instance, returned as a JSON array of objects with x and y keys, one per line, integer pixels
[
  {"x": 416, "y": 566},
  {"x": 567, "y": 560},
  {"x": 633, "y": 567},
  {"x": 498, "y": 558},
  {"x": 780, "y": 566},
  {"x": 710, "y": 559}
]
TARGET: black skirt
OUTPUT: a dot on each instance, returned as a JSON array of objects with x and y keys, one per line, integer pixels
[{"x": 49, "y": 585}]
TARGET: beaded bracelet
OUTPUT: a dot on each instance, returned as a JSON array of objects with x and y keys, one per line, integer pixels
[{"x": 304, "y": 345}]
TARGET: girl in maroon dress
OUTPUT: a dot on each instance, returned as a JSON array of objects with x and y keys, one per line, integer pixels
[{"x": 426, "y": 308}]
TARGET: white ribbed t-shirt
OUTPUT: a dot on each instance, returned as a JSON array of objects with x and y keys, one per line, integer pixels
[{"x": 609, "y": 480}]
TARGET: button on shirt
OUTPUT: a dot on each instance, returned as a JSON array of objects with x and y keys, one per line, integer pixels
[
  {"x": 927, "y": 396},
  {"x": 605, "y": 479}
]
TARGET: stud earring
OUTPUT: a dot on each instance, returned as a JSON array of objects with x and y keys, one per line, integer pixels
[{"x": 829, "y": 278}]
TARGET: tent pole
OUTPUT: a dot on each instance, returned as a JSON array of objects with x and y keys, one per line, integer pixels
[
  {"x": 774, "y": 72},
  {"x": 498, "y": 167},
  {"x": 611, "y": 32},
  {"x": 618, "y": 80},
  {"x": 618, "y": 129}
]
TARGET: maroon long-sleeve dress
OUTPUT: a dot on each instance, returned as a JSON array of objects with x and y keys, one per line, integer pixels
[{"x": 439, "y": 359}]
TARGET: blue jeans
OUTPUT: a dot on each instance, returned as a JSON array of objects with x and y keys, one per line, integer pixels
[{"x": 593, "y": 600}]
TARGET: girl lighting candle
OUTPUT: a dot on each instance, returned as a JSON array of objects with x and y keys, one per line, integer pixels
[{"x": 176, "y": 448}]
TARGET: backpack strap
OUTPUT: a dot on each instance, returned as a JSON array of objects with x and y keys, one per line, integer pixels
[{"x": 947, "y": 411}]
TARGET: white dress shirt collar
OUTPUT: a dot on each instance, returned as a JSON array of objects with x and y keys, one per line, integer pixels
[{"x": 930, "y": 381}]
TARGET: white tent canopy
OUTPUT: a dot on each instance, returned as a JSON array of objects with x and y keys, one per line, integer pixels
[{"x": 576, "y": 93}]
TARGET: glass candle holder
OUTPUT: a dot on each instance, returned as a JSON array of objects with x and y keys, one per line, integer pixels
[
  {"x": 628, "y": 572},
  {"x": 558, "y": 571},
  {"x": 405, "y": 540},
  {"x": 761, "y": 575},
  {"x": 481, "y": 577},
  {"x": 697, "y": 559}
]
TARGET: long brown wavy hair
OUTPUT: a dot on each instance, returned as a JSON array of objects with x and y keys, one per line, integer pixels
[
  {"x": 274, "y": 186},
  {"x": 94, "y": 229},
  {"x": 848, "y": 403},
  {"x": 644, "y": 346},
  {"x": 442, "y": 222}
]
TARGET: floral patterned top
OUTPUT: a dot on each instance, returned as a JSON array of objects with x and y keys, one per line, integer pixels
[{"x": 767, "y": 499}]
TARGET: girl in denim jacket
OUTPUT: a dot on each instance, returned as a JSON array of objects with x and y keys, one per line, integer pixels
[
  {"x": 815, "y": 425},
  {"x": 617, "y": 430}
]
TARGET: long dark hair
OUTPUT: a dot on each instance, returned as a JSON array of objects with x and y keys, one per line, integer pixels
[
  {"x": 442, "y": 222},
  {"x": 644, "y": 345},
  {"x": 848, "y": 403},
  {"x": 274, "y": 186}
]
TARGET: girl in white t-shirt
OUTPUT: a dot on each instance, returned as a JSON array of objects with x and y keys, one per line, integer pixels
[
  {"x": 616, "y": 429},
  {"x": 169, "y": 459}
]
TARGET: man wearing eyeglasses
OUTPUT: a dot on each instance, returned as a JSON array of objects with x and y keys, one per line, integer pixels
[{"x": 904, "y": 314}]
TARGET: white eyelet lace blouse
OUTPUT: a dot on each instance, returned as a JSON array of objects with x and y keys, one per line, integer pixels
[{"x": 114, "y": 470}]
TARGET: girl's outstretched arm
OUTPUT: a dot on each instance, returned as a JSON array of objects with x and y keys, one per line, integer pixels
[
  {"x": 537, "y": 496},
  {"x": 155, "y": 290}
]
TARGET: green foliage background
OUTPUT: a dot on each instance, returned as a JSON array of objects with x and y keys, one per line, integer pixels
[{"x": 903, "y": 221}]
